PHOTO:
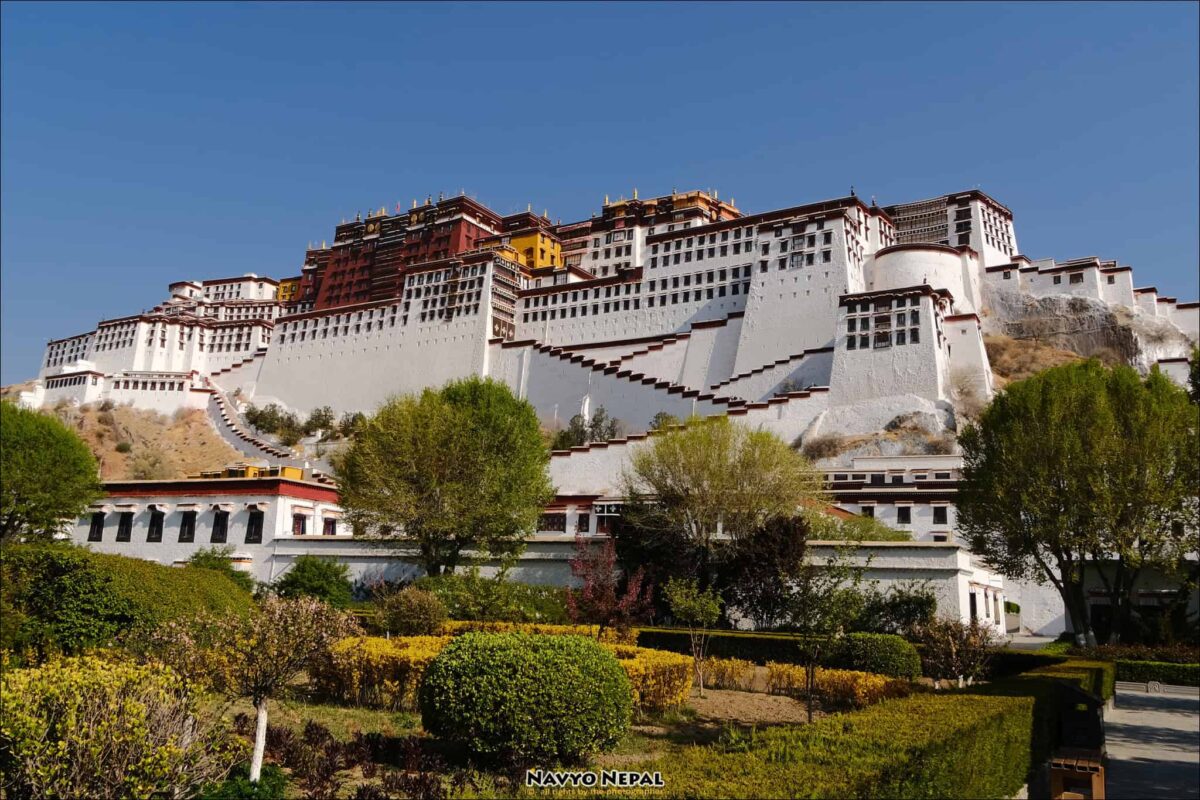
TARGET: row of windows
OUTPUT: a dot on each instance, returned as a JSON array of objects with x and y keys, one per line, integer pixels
[
  {"x": 150, "y": 386},
  {"x": 58, "y": 383},
  {"x": 883, "y": 339},
  {"x": 904, "y": 514},
  {"x": 218, "y": 532}
]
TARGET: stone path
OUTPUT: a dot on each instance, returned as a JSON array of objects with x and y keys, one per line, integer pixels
[{"x": 1153, "y": 745}]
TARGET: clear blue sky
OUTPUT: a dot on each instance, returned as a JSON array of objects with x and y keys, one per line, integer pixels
[{"x": 147, "y": 143}]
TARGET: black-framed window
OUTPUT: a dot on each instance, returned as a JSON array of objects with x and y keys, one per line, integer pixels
[
  {"x": 125, "y": 526},
  {"x": 583, "y": 523},
  {"x": 187, "y": 527},
  {"x": 96, "y": 531},
  {"x": 220, "y": 527},
  {"x": 904, "y": 515},
  {"x": 940, "y": 515},
  {"x": 299, "y": 524},
  {"x": 329, "y": 526},
  {"x": 254, "y": 527},
  {"x": 868, "y": 511},
  {"x": 156, "y": 526}
]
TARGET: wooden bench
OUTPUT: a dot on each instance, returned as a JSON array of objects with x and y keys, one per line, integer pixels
[{"x": 1077, "y": 773}]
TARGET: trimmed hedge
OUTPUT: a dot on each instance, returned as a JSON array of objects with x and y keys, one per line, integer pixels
[
  {"x": 63, "y": 598},
  {"x": 757, "y": 647},
  {"x": 526, "y": 699},
  {"x": 375, "y": 672},
  {"x": 1097, "y": 677},
  {"x": 838, "y": 687},
  {"x": 883, "y": 653},
  {"x": 929, "y": 745},
  {"x": 1161, "y": 671},
  {"x": 880, "y": 653},
  {"x": 660, "y": 680},
  {"x": 458, "y": 627}
]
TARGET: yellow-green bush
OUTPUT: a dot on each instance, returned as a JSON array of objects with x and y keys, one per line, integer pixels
[
  {"x": 784, "y": 678},
  {"x": 377, "y": 672},
  {"x": 660, "y": 680},
  {"x": 840, "y": 687},
  {"x": 386, "y": 673},
  {"x": 728, "y": 673},
  {"x": 610, "y": 635},
  {"x": 103, "y": 727}
]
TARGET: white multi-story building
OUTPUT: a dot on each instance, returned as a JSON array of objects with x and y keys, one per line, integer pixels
[{"x": 834, "y": 317}]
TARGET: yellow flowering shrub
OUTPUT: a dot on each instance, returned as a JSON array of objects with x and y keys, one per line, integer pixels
[
  {"x": 728, "y": 673},
  {"x": 92, "y": 727},
  {"x": 377, "y": 672},
  {"x": 839, "y": 687},
  {"x": 660, "y": 679},
  {"x": 784, "y": 678},
  {"x": 610, "y": 635}
]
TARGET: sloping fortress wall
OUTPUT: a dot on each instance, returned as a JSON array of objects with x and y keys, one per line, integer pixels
[{"x": 680, "y": 303}]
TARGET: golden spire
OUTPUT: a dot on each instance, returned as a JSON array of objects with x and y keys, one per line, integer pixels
[
  {"x": 605, "y": 199},
  {"x": 635, "y": 193}
]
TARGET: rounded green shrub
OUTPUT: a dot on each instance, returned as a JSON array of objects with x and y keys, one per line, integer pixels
[
  {"x": 881, "y": 653},
  {"x": 526, "y": 699},
  {"x": 411, "y": 612},
  {"x": 314, "y": 576}
]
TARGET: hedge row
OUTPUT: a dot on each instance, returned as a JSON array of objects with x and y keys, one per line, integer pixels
[
  {"x": 387, "y": 673},
  {"x": 1097, "y": 677},
  {"x": 1161, "y": 671},
  {"x": 978, "y": 742},
  {"x": 458, "y": 627},
  {"x": 375, "y": 672},
  {"x": 929, "y": 745},
  {"x": 881, "y": 653},
  {"x": 64, "y": 598},
  {"x": 840, "y": 688}
]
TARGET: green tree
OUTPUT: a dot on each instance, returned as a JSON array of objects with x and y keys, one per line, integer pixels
[
  {"x": 580, "y": 431},
  {"x": 451, "y": 471},
  {"x": 47, "y": 474},
  {"x": 1082, "y": 468},
  {"x": 220, "y": 559},
  {"x": 1194, "y": 375},
  {"x": 313, "y": 576},
  {"x": 698, "y": 610},
  {"x": 320, "y": 419},
  {"x": 822, "y": 599},
  {"x": 662, "y": 421},
  {"x": 715, "y": 482}
]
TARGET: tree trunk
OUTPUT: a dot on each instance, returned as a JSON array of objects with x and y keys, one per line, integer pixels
[
  {"x": 1075, "y": 600},
  {"x": 260, "y": 740}
]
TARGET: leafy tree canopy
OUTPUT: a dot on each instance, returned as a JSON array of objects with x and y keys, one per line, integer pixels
[
  {"x": 1079, "y": 464},
  {"x": 47, "y": 474},
  {"x": 450, "y": 470}
]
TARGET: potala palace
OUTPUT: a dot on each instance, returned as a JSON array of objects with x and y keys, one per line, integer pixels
[{"x": 833, "y": 317}]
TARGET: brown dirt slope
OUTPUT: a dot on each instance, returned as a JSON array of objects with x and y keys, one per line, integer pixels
[
  {"x": 1017, "y": 359},
  {"x": 135, "y": 444}
]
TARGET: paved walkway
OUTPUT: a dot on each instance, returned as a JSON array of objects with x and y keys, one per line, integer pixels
[{"x": 1153, "y": 745}]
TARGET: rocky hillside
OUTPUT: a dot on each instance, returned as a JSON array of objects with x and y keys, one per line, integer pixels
[
  {"x": 1083, "y": 326},
  {"x": 132, "y": 444}
]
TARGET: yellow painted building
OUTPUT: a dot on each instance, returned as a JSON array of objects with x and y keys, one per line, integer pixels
[
  {"x": 252, "y": 471},
  {"x": 288, "y": 289}
]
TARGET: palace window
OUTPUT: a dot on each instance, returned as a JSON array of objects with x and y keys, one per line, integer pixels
[
  {"x": 299, "y": 524},
  {"x": 329, "y": 526},
  {"x": 125, "y": 526},
  {"x": 940, "y": 515},
  {"x": 582, "y": 522},
  {"x": 220, "y": 527},
  {"x": 96, "y": 531},
  {"x": 187, "y": 527},
  {"x": 1076, "y": 277},
  {"x": 553, "y": 522},
  {"x": 156, "y": 526},
  {"x": 254, "y": 527},
  {"x": 904, "y": 515}
]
